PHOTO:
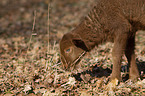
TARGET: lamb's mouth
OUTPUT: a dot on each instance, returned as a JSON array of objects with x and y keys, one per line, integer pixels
[{"x": 76, "y": 61}]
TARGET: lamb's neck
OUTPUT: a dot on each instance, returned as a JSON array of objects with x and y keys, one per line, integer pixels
[{"x": 90, "y": 33}]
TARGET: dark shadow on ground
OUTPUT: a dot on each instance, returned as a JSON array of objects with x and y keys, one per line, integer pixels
[
  {"x": 100, "y": 72},
  {"x": 94, "y": 72},
  {"x": 141, "y": 68}
]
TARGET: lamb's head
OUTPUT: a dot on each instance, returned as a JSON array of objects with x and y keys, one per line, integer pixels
[{"x": 72, "y": 49}]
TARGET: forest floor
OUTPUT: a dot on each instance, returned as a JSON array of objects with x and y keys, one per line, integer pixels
[{"x": 30, "y": 59}]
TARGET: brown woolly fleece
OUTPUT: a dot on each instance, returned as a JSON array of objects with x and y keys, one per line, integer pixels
[{"x": 109, "y": 21}]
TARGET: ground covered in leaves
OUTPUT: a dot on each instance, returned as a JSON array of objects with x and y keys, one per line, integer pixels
[{"x": 29, "y": 65}]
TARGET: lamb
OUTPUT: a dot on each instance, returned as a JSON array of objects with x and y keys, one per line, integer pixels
[{"x": 114, "y": 21}]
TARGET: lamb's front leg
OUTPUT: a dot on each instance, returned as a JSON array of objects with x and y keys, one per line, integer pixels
[{"x": 117, "y": 52}]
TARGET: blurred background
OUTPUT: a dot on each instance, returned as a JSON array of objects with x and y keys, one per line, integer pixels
[{"x": 16, "y": 17}]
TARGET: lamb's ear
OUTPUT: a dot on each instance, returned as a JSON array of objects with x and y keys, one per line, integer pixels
[{"x": 80, "y": 43}]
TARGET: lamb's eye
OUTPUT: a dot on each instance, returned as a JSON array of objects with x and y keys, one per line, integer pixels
[{"x": 67, "y": 50}]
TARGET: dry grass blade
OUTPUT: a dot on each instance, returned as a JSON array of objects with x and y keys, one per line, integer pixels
[
  {"x": 48, "y": 24},
  {"x": 32, "y": 32},
  {"x": 73, "y": 64}
]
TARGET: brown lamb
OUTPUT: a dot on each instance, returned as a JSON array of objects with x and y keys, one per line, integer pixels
[{"x": 109, "y": 21}]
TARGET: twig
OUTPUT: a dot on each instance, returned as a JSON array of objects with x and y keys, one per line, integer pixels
[
  {"x": 81, "y": 55},
  {"x": 48, "y": 49},
  {"x": 34, "y": 20}
]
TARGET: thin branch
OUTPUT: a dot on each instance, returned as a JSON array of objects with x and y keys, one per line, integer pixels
[
  {"x": 34, "y": 20},
  {"x": 48, "y": 29}
]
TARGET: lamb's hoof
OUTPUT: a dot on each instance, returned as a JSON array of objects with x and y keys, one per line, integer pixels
[
  {"x": 112, "y": 84},
  {"x": 134, "y": 78}
]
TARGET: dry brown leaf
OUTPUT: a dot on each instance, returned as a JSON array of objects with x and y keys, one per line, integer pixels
[
  {"x": 85, "y": 77},
  {"x": 27, "y": 88}
]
